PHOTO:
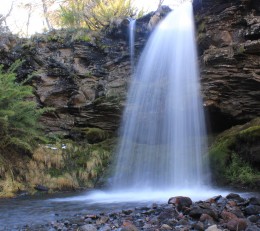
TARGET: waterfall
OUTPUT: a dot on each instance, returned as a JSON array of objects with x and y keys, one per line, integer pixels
[
  {"x": 132, "y": 24},
  {"x": 163, "y": 141}
]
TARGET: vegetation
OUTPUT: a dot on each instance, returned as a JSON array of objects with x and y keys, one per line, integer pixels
[
  {"x": 231, "y": 155},
  {"x": 68, "y": 166},
  {"x": 20, "y": 131},
  {"x": 25, "y": 161},
  {"x": 19, "y": 128},
  {"x": 239, "y": 171},
  {"x": 93, "y": 14}
]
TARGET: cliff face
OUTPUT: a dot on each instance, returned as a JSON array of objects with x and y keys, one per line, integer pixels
[
  {"x": 229, "y": 48},
  {"x": 85, "y": 76}
]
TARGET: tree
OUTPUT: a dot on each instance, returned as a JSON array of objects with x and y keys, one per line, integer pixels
[
  {"x": 42, "y": 7},
  {"x": 4, "y": 28},
  {"x": 20, "y": 131},
  {"x": 94, "y": 14},
  {"x": 160, "y": 3},
  {"x": 71, "y": 13},
  {"x": 29, "y": 8},
  {"x": 45, "y": 12}
]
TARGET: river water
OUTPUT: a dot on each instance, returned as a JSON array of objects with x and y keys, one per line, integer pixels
[{"x": 44, "y": 209}]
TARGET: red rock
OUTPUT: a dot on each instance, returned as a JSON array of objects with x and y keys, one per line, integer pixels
[
  {"x": 232, "y": 203},
  {"x": 237, "y": 224},
  {"x": 128, "y": 226},
  {"x": 227, "y": 216},
  {"x": 205, "y": 217},
  {"x": 180, "y": 202}
]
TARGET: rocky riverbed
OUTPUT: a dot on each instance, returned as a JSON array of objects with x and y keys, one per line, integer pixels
[{"x": 180, "y": 213}]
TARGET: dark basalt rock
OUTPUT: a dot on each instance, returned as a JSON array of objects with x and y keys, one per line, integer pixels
[
  {"x": 165, "y": 217},
  {"x": 72, "y": 75},
  {"x": 180, "y": 202},
  {"x": 228, "y": 40},
  {"x": 41, "y": 188}
]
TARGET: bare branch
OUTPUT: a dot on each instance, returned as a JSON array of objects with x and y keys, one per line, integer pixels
[{"x": 160, "y": 3}]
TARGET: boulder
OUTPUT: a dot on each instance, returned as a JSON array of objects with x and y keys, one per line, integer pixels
[{"x": 180, "y": 202}]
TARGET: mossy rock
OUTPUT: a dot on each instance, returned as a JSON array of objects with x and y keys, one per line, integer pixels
[
  {"x": 95, "y": 135},
  {"x": 234, "y": 156}
]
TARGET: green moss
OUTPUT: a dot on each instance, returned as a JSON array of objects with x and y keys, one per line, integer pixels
[
  {"x": 95, "y": 135},
  {"x": 230, "y": 155},
  {"x": 202, "y": 27},
  {"x": 239, "y": 49},
  {"x": 81, "y": 35},
  {"x": 55, "y": 38}
]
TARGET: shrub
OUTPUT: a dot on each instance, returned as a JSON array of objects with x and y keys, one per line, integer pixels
[{"x": 94, "y": 14}]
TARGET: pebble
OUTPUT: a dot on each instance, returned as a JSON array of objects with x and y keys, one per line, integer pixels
[{"x": 231, "y": 213}]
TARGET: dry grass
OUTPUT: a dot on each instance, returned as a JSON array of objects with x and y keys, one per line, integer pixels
[
  {"x": 50, "y": 157},
  {"x": 58, "y": 169}
]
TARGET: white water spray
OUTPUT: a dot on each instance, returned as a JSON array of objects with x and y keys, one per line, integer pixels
[
  {"x": 163, "y": 139},
  {"x": 163, "y": 147},
  {"x": 132, "y": 25}
]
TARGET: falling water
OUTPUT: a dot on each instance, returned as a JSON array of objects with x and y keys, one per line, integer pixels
[
  {"x": 163, "y": 140},
  {"x": 132, "y": 24}
]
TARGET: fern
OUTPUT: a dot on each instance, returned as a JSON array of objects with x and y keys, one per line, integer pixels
[{"x": 20, "y": 131}]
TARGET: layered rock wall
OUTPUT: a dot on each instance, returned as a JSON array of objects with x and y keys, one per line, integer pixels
[
  {"x": 229, "y": 48},
  {"x": 85, "y": 75}
]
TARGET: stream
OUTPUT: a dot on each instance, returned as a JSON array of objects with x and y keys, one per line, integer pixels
[
  {"x": 16, "y": 213},
  {"x": 32, "y": 210}
]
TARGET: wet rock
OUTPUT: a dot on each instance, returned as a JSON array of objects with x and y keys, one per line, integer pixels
[
  {"x": 205, "y": 217},
  {"x": 213, "y": 228},
  {"x": 182, "y": 221},
  {"x": 208, "y": 215},
  {"x": 237, "y": 212},
  {"x": 102, "y": 220},
  {"x": 253, "y": 228},
  {"x": 41, "y": 188},
  {"x": 197, "y": 211},
  {"x": 254, "y": 218},
  {"x": 237, "y": 224},
  {"x": 235, "y": 197},
  {"x": 227, "y": 216},
  {"x": 252, "y": 210},
  {"x": 254, "y": 201},
  {"x": 167, "y": 214},
  {"x": 198, "y": 226},
  {"x": 105, "y": 228},
  {"x": 127, "y": 212},
  {"x": 180, "y": 202},
  {"x": 128, "y": 226},
  {"x": 87, "y": 227},
  {"x": 214, "y": 199},
  {"x": 166, "y": 227},
  {"x": 147, "y": 226}
]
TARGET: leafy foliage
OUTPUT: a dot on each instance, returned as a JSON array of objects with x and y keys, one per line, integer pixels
[
  {"x": 94, "y": 14},
  {"x": 19, "y": 115},
  {"x": 239, "y": 171}
]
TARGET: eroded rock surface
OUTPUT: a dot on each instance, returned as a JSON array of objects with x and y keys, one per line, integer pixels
[
  {"x": 85, "y": 76},
  {"x": 228, "y": 41}
]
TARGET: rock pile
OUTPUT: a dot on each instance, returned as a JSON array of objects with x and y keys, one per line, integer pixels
[{"x": 218, "y": 213}]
